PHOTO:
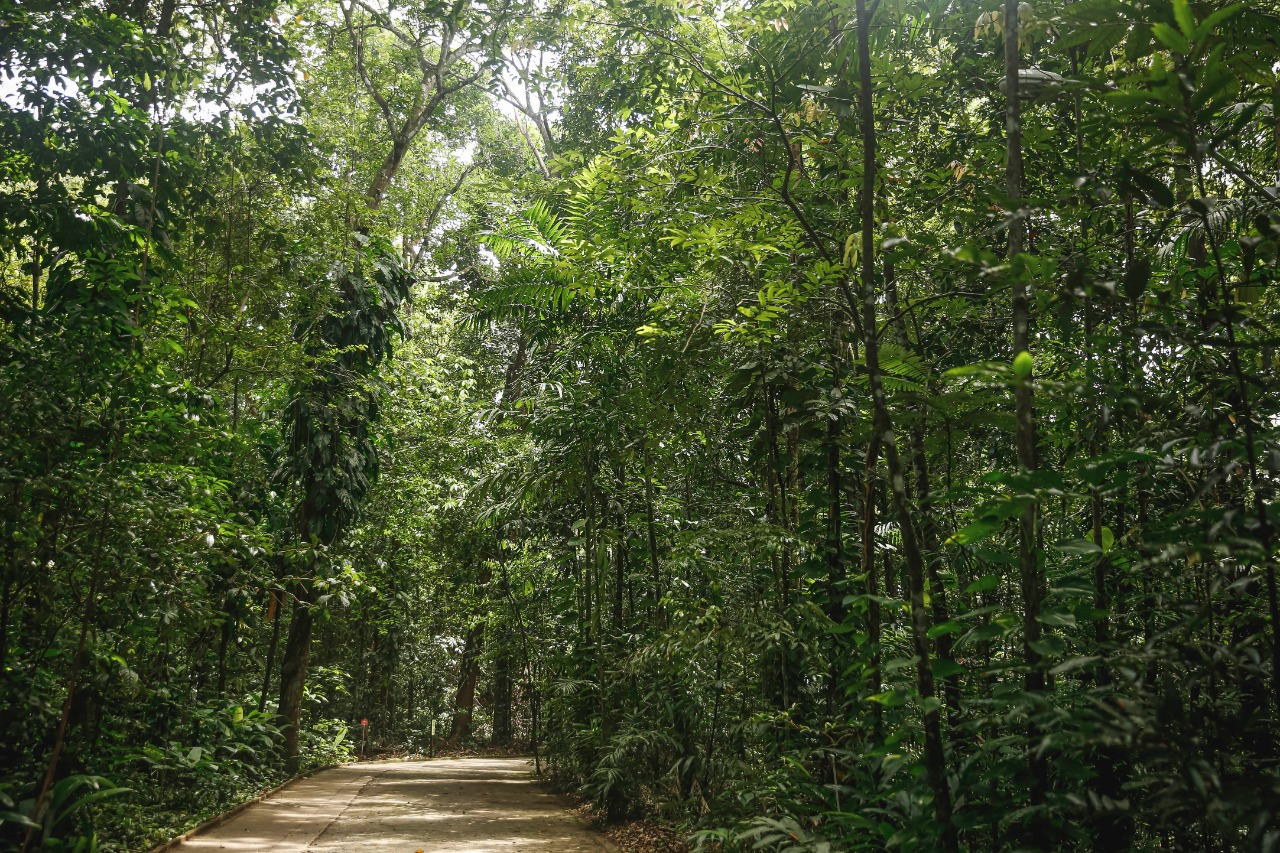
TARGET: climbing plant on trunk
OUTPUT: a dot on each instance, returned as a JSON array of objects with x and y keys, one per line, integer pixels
[{"x": 329, "y": 459}]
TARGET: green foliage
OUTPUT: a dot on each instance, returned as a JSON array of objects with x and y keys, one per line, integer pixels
[
  {"x": 625, "y": 493},
  {"x": 702, "y": 399},
  {"x": 57, "y": 827},
  {"x": 329, "y": 458}
]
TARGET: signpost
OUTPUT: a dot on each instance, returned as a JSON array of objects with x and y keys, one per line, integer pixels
[{"x": 364, "y": 745}]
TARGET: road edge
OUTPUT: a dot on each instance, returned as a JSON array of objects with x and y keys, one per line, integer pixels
[
  {"x": 568, "y": 803},
  {"x": 218, "y": 820}
]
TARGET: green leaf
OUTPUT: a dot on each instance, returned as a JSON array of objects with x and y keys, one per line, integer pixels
[
  {"x": 1138, "y": 44},
  {"x": 96, "y": 796},
  {"x": 1077, "y": 546},
  {"x": 976, "y": 531},
  {"x": 1209, "y": 24},
  {"x": 890, "y": 698},
  {"x": 980, "y": 369},
  {"x": 983, "y": 584},
  {"x": 1023, "y": 364},
  {"x": 1155, "y": 189},
  {"x": 18, "y": 820},
  {"x": 1074, "y": 663},
  {"x": 1186, "y": 20},
  {"x": 1171, "y": 38},
  {"x": 1057, "y": 618},
  {"x": 997, "y": 556},
  {"x": 943, "y": 668},
  {"x": 988, "y": 632},
  {"x": 895, "y": 664},
  {"x": 1050, "y": 645},
  {"x": 944, "y": 628}
]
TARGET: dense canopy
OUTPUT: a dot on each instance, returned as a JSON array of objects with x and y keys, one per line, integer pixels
[{"x": 816, "y": 426}]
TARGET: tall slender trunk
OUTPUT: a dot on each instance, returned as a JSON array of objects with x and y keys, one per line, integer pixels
[
  {"x": 10, "y": 573},
  {"x": 1025, "y": 431},
  {"x": 1112, "y": 829},
  {"x": 869, "y": 571},
  {"x": 835, "y": 493},
  {"x": 777, "y": 513},
  {"x": 591, "y": 539},
  {"x": 6, "y": 598},
  {"x": 836, "y": 568},
  {"x": 502, "y": 695},
  {"x": 620, "y": 552},
  {"x": 464, "y": 700},
  {"x": 273, "y": 614},
  {"x": 293, "y": 673},
  {"x": 934, "y": 755},
  {"x": 1101, "y": 600},
  {"x": 226, "y": 641},
  {"x": 651, "y": 529},
  {"x": 503, "y": 671},
  {"x": 782, "y": 507},
  {"x": 531, "y": 681},
  {"x": 1243, "y": 406},
  {"x": 1275, "y": 127},
  {"x": 35, "y": 276},
  {"x": 930, "y": 538}
]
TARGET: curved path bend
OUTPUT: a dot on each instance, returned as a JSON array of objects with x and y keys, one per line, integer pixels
[{"x": 477, "y": 805}]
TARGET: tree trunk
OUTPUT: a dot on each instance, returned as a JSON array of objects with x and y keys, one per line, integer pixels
[
  {"x": 935, "y": 759},
  {"x": 776, "y": 512},
  {"x": 390, "y": 167},
  {"x": 869, "y": 571},
  {"x": 464, "y": 701},
  {"x": 620, "y": 552},
  {"x": 651, "y": 530},
  {"x": 293, "y": 674},
  {"x": 224, "y": 643},
  {"x": 930, "y": 538},
  {"x": 10, "y": 575},
  {"x": 835, "y": 494},
  {"x": 273, "y": 613},
  {"x": 1025, "y": 433},
  {"x": 502, "y": 695}
]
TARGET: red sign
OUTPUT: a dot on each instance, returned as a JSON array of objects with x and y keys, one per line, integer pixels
[{"x": 365, "y": 723}]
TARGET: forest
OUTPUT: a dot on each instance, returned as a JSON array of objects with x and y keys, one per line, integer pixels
[{"x": 810, "y": 425}]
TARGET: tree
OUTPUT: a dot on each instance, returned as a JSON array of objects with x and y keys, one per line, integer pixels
[{"x": 330, "y": 459}]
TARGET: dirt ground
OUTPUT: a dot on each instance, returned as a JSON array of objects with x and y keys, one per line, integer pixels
[{"x": 478, "y": 805}]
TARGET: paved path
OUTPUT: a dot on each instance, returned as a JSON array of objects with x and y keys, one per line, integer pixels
[{"x": 477, "y": 805}]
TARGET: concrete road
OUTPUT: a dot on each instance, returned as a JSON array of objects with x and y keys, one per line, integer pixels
[{"x": 477, "y": 805}]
